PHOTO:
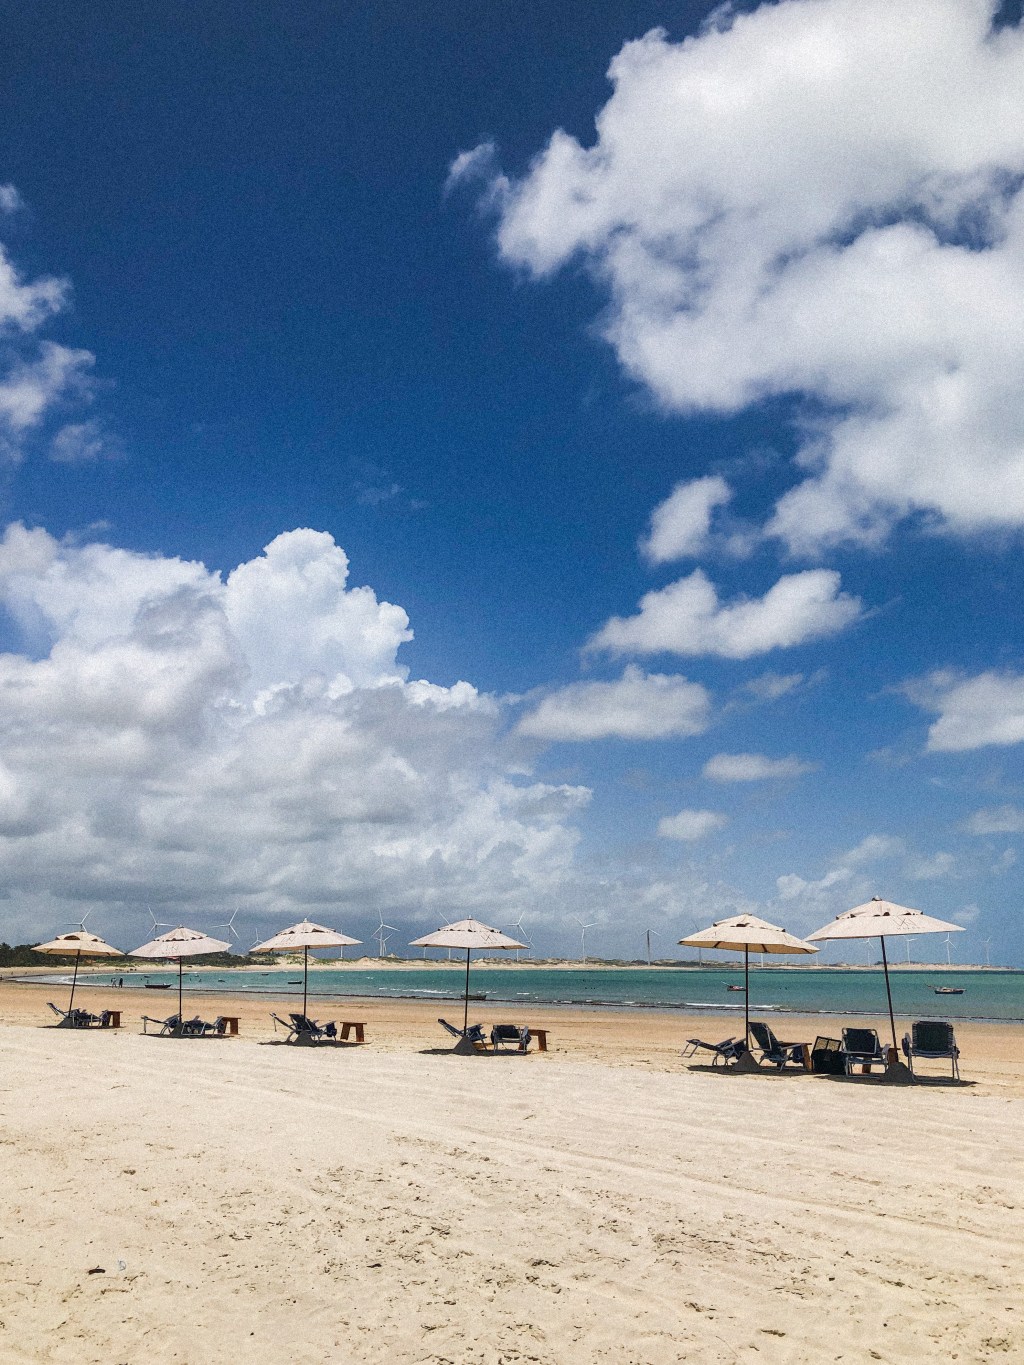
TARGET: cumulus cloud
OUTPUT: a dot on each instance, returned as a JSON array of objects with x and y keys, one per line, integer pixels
[
  {"x": 680, "y": 524},
  {"x": 690, "y": 826},
  {"x": 687, "y": 618},
  {"x": 636, "y": 706},
  {"x": 823, "y": 198},
  {"x": 753, "y": 767},
  {"x": 972, "y": 712},
  {"x": 248, "y": 742}
]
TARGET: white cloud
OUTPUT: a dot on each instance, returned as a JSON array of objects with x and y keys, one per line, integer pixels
[
  {"x": 680, "y": 524},
  {"x": 753, "y": 767},
  {"x": 636, "y": 706},
  {"x": 820, "y": 197},
  {"x": 250, "y": 743},
  {"x": 928, "y": 869},
  {"x": 687, "y": 618},
  {"x": 80, "y": 443},
  {"x": 691, "y": 825},
  {"x": 10, "y": 199},
  {"x": 770, "y": 687},
  {"x": 34, "y": 375},
  {"x": 973, "y": 712},
  {"x": 996, "y": 820}
]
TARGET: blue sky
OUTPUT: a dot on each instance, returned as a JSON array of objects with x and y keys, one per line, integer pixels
[{"x": 677, "y": 415}]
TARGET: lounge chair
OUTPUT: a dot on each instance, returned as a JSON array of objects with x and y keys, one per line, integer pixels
[
  {"x": 731, "y": 1050},
  {"x": 510, "y": 1037},
  {"x": 862, "y": 1048},
  {"x": 932, "y": 1038},
  {"x": 828, "y": 1057},
  {"x": 305, "y": 1030},
  {"x": 73, "y": 1018},
  {"x": 165, "y": 1027},
  {"x": 473, "y": 1034},
  {"x": 775, "y": 1052}
]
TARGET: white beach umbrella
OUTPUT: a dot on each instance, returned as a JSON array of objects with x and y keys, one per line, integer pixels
[
  {"x": 177, "y": 944},
  {"x": 882, "y": 919},
  {"x": 469, "y": 934},
  {"x": 751, "y": 934},
  {"x": 304, "y": 935},
  {"x": 82, "y": 944}
]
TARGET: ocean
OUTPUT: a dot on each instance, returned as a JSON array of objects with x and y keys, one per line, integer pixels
[{"x": 818, "y": 990}]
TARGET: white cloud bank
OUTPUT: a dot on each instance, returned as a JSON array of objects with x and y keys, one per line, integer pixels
[
  {"x": 200, "y": 744},
  {"x": 973, "y": 712},
  {"x": 687, "y": 618},
  {"x": 753, "y": 767},
  {"x": 636, "y": 706},
  {"x": 821, "y": 197}
]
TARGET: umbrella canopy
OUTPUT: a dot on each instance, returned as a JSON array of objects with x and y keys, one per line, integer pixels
[
  {"x": 177, "y": 944},
  {"x": 81, "y": 943},
  {"x": 468, "y": 934},
  {"x": 751, "y": 934},
  {"x": 304, "y": 935},
  {"x": 879, "y": 919}
]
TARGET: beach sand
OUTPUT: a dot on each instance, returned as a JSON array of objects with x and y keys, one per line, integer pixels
[{"x": 250, "y": 1202}]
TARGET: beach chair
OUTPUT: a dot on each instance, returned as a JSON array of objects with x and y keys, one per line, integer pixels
[
  {"x": 474, "y": 1033},
  {"x": 196, "y": 1028},
  {"x": 305, "y": 1030},
  {"x": 775, "y": 1052},
  {"x": 731, "y": 1050},
  {"x": 165, "y": 1027},
  {"x": 862, "y": 1048},
  {"x": 932, "y": 1038},
  {"x": 828, "y": 1057},
  {"x": 75, "y": 1018},
  {"x": 510, "y": 1038}
]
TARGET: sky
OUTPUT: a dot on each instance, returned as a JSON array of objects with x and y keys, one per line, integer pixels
[{"x": 562, "y": 465}]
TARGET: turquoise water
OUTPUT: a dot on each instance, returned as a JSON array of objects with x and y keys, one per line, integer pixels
[{"x": 819, "y": 990}]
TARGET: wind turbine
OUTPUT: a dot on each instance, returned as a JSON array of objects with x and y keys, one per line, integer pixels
[
  {"x": 382, "y": 937},
  {"x": 949, "y": 960},
  {"x": 583, "y": 933},
  {"x": 518, "y": 924},
  {"x": 648, "y": 933},
  {"x": 907, "y": 941},
  {"x": 230, "y": 927},
  {"x": 988, "y": 952}
]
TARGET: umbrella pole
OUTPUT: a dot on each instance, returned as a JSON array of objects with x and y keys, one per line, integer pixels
[
  {"x": 305, "y": 975},
  {"x": 465, "y": 1012},
  {"x": 888, "y": 990},
  {"x": 78, "y": 958},
  {"x": 180, "y": 1020},
  {"x": 746, "y": 996}
]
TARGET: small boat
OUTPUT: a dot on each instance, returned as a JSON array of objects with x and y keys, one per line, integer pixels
[
  {"x": 734, "y": 988},
  {"x": 948, "y": 990},
  {"x": 157, "y": 985},
  {"x": 477, "y": 995},
  {"x": 296, "y": 982}
]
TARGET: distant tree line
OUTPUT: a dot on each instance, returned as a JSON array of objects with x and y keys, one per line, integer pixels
[{"x": 24, "y": 955}]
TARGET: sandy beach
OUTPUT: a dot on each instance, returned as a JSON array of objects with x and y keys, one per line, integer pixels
[{"x": 239, "y": 1200}]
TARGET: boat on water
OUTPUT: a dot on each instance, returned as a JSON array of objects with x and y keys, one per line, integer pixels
[
  {"x": 948, "y": 990},
  {"x": 734, "y": 988},
  {"x": 157, "y": 985}
]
